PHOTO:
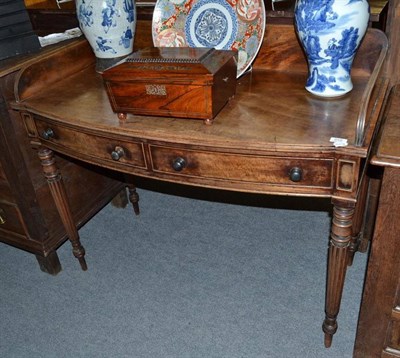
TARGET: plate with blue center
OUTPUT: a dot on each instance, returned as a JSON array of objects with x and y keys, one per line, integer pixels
[{"x": 237, "y": 25}]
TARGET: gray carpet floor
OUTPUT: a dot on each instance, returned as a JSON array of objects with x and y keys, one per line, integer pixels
[{"x": 187, "y": 278}]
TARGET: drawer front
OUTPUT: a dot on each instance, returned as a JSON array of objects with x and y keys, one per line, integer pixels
[
  {"x": 243, "y": 168},
  {"x": 95, "y": 147},
  {"x": 11, "y": 219}
]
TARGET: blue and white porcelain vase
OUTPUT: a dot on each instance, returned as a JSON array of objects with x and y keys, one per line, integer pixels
[
  {"x": 330, "y": 32},
  {"x": 108, "y": 25}
]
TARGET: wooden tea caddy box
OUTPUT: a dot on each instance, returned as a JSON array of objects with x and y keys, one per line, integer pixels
[{"x": 174, "y": 82}]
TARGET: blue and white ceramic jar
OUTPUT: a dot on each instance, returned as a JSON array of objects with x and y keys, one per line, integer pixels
[
  {"x": 108, "y": 25},
  {"x": 330, "y": 32}
]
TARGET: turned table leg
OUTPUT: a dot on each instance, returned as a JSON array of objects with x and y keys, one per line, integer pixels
[
  {"x": 57, "y": 190},
  {"x": 341, "y": 234}
]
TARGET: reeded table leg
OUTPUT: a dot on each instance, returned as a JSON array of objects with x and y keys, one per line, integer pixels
[
  {"x": 57, "y": 190},
  {"x": 337, "y": 265}
]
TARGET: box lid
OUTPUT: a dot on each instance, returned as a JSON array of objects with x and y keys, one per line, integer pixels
[
  {"x": 170, "y": 55},
  {"x": 169, "y": 62}
]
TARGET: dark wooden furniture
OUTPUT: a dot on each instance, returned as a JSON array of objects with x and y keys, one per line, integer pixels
[
  {"x": 379, "y": 10},
  {"x": 28, "y": 215},
  {"x": 378, "y": 328},
  {"x": 392, "y": 67},
  {"x": 378, "y": 333},
  {"x": 272, "y": 138},
  {"x": 16, "y": 34}
]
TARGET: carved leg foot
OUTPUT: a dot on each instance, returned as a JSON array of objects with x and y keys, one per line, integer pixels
[
  {"x": 57, "y": 190},
  {"x": 134, "y": 198},
  {"x": 49, "y": 264},
  {"x": 337, "y": 265},
  {"x": 330, "y": 328}
]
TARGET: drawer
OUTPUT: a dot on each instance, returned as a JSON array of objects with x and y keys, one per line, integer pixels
[
  {"x": 95, "y": 147},
  {"x": 243, "y": 168},
  {"x": 11, "y": 219}
]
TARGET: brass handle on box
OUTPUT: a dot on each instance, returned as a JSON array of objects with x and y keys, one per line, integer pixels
[
  {"x": 117, "y": 153},
  {"x": 179, "y": 164},
  {"x": 2, "y": 217},
  {"x": 48, "y": 133},
  {"x": 296, "y": 174}
]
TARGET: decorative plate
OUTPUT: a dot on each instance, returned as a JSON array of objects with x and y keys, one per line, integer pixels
[{"x": 237, "y": 25}]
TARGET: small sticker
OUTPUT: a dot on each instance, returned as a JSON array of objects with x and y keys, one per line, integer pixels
[{"x": 339, "y": 142}]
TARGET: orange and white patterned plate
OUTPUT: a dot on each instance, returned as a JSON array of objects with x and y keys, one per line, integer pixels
[{"x": 237, "y": 25}]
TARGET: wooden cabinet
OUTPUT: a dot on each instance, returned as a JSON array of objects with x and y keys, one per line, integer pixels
[
  {"x": 393, "y": 33},
  {"x": 378, "y": 332},
  {"x": 16, "y": 34},
  {"x": 28, "y": 216}
]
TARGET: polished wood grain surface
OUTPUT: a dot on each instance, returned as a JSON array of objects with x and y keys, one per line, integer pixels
[{"x": 270, "y": 107}]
